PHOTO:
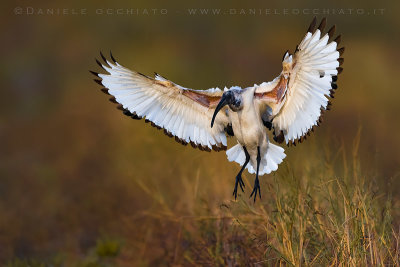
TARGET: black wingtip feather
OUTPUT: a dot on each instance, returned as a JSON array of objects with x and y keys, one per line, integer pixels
[
  {"x": 142, "y": 75},
  {"x": 105, "y": 90},
  {"x": 112, "y": 57},
  {"x": 331, "y": 31},
  {"x": 322, "y": 25},
  {"x": 135, "y": 117},
  {"x": 103, "y": 57},
  {"x": 94, "y": 73},
  {"x": 101, "y": 65},
  {"x": 339, "y": 69},
  {"x": 312, "y": 25},
  {"x": 283, "y": 57},
  {"x": 127, "y": 112},
  {"x": 338, "y": 39},
  {"x": 113, "y": 100},
  {"x": 98, "y": 81},
  {"x": 341, "y": 50},
  {"x": 341, "y": 61}
]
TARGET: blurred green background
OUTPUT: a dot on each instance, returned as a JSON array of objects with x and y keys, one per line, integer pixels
[{"x": 74, "y": 170}]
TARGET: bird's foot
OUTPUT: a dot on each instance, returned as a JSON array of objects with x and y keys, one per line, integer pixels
[
  {"x": 255, "y": 189},
  {"x": 239, "y": 181}
]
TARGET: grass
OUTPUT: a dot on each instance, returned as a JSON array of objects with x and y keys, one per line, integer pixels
[
  {"x": 329, "y": 214},
  {"x": 323, "y": 210}
]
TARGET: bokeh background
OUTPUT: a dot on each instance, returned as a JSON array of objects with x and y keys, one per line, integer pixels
[{"x": 77, "y": 176}]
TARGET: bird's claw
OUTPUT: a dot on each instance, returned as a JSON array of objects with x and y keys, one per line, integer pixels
[
  {"x": 255, "y": 189},
  {"x": 239, "y": 181}
]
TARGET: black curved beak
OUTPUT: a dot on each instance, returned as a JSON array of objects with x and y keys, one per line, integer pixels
[{"x": 224, "y": 101}]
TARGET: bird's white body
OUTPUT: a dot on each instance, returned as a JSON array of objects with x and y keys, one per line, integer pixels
[
  {"x": 248, "y": 127},
  {"x": 292, "y": 104},
  {"x": 251, "y": 133},
  {"x": 246, "y": 123}
]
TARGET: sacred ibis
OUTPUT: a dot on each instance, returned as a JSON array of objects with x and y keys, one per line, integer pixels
[{"x": 290, "y": 106}]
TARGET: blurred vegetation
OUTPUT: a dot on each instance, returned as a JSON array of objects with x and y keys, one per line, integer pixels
[
  {"x": 102, "y": 255},
  {"x": 82, "y": 185}
]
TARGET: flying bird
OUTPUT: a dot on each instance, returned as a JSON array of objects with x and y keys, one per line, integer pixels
[{"x": 290, "y": 106}]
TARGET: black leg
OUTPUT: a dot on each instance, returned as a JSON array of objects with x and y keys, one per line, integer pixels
[
  {"x": 257, "y": 182},
  {"x": 239, "y": 180}
]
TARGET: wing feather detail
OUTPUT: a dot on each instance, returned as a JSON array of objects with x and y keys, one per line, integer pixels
[
  {"x": 310, "y": 75},
  {"x": 183, "y": 113}
]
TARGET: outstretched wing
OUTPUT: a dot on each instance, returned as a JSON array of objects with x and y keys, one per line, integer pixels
[
  {"x": 300, "y": 95},
  {"x": 183, "y": 113}
]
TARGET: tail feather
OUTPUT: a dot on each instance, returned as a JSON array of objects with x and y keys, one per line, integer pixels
[
  {"x": 274, "y": 156},
  {"x": 269, "y": 161},
  {"x": 236, "y": 153}
]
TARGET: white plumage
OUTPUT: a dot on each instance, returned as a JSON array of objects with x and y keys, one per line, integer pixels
[
  {"x": 269, "y": 161},
  {"x": 291, "y": 104},
  {"x": 163, "y": 103}
]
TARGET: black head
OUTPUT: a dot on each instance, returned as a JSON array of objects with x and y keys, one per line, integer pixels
[{"x": 233, "y": 98}]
